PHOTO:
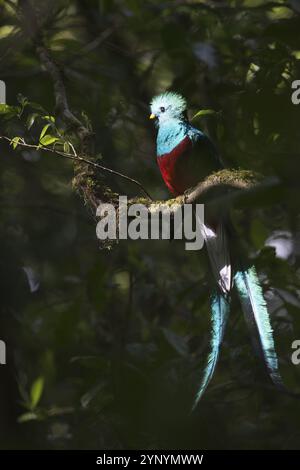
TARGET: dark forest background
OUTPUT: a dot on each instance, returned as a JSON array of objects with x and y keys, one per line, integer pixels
[{"x": 105, "y": 347}]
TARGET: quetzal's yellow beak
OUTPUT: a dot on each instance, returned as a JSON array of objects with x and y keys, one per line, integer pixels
[{"x": 152, "y": 116}]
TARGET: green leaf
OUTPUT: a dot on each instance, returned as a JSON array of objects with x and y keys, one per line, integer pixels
[
  {"x": 37, "y": 107},
  {"x": 48, "y": 139},
  {"x": 66, "y": 147},
  {"x": 14, "y": 142},
  {"x": 204, "y": 112},
  {"x": 25, "y": 417},
  {"x": 36, "y": 391},
  {"x": 6, "y": 109},
  {"x": 44, "y": 130},
  {"x": 6, "y": 30},
  {"x": 90, "y": 395},
  {"x": 49, "y": 118},
  {"x": 31, "y": 119}
]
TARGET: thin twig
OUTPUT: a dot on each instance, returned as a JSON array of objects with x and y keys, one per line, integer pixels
[{"x": 75, "y": 157}]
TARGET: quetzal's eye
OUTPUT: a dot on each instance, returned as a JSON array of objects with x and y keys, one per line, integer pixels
[{"x": 162, "y": 108}]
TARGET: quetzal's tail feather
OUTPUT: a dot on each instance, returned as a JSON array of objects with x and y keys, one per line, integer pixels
[
  {"x": 257, "y": 317},
  {"x": 219, "y": 315},
  {"x": 218, "y": 254}
]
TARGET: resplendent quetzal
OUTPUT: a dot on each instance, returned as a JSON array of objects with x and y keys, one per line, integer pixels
[{"x": 185, "y": 155}]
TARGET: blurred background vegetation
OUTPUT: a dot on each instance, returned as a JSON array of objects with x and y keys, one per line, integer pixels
[{"x": 105, "y": 348}]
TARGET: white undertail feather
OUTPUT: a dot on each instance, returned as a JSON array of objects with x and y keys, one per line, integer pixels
[{"x": 218, "y": 253}]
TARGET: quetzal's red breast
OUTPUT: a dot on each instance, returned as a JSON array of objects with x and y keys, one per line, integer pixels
[{"x": 175, "y": 169}]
